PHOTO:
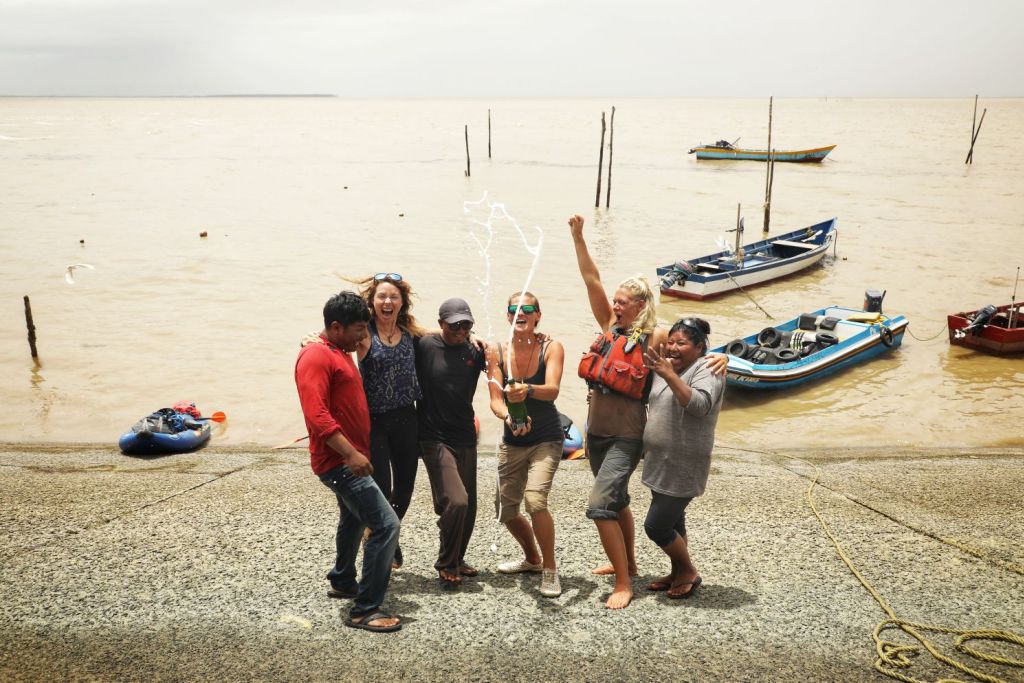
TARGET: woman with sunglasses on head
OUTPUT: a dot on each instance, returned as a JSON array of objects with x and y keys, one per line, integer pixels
[
  {"x": 528, "y": 371},
  {"x": 619, "y": 384},
  {"x": 685, "y": 400},
  {"x": 387, "y": 362}
]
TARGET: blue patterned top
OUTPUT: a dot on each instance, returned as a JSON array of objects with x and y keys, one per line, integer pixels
[{"x": 389, "y": 373}]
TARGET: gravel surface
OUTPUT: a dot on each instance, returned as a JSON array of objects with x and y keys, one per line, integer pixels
[{"x": 211, "y": 566}]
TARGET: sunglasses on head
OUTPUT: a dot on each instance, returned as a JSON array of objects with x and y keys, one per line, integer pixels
[
  {"x": 393, "y": 277},
  {"x": 525, "y": 308},
  {"x": 461, "y": 325}
]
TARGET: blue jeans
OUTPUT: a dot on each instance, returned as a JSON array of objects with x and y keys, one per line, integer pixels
[{"x": 362, "y": 505}]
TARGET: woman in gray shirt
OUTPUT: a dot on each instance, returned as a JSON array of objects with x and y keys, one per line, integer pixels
[{"x": 686, "y": 398}]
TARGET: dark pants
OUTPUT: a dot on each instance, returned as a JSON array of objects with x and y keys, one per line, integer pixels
[
  {"x": 452, "y": 473},
  {"x": 394, "y": 453},
  {"x": 666, "y": 518},
  {"x": 612, "y": 460},
  {"x": 362, "y": 505}
]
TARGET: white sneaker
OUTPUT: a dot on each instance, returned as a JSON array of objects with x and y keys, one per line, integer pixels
[
  {"x": 550, "y": 586},
  {"x": 518, "y": 567}
]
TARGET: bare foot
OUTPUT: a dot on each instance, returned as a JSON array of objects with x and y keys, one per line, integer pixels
[
  {"x": 619, "y": 599},
  {"x": 466, "y": 570},
  {"x": 608, "y": 570}
]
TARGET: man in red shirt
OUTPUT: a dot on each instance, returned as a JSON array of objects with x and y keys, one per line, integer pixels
[{"x": 338, "y": 421}]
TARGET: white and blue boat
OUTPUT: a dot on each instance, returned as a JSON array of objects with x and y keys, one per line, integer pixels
[
  {"x": 725, "y": 150},
  {"x": 725, "y": 271},
  {"x": 812, "y": 345}
]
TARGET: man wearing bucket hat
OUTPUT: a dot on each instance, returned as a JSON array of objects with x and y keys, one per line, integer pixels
[{"x": 448, "y": 366}]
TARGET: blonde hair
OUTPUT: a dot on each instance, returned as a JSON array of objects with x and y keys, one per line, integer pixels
[{"x": 640, "y": 289}]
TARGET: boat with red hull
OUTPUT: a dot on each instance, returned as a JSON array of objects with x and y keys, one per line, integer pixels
[{"x": 989, "y": 329}]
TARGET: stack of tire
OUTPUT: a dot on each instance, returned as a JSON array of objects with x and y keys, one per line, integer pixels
[{"x": 775, "y": 346}]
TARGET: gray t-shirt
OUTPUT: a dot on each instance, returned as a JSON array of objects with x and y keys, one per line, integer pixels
[{"x": 678, "y": 440}]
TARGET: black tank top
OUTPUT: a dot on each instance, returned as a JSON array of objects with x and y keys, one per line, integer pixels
[{"x": 546, "y": 426}]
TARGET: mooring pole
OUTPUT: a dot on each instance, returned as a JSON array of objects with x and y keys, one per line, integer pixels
[
  {"x": 611, "y": 141},
  {"x": 600, "y": 165},
  {"x": 31, "y": 329},
  {"x": 974, "y": 138},
  {"x": 467, "y": 150},
  {"x": 768, "y": 171},
  {"x": 488, "y": 133}
]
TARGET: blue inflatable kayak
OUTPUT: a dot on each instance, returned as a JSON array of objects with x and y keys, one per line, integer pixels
[{"x": 165, "y": 432}]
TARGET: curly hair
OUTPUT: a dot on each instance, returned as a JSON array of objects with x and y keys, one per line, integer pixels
[{"x": 406, "y": 320}]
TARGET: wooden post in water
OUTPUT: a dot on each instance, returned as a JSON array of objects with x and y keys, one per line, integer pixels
[
  {"x": 768, "y": 172},
  {"x": 488, "y": 133},
  {"x": 611, "y": 140},
  {"x": 31, "y": 330},
  {"x": 600, "y": 165},
  {"x": 974, "y": 138},
  {"x": 768, "y": 196},
  {"x": 467, "y": 150}
]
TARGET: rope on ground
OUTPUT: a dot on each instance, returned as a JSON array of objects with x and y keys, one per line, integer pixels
[
  {"x": 940, "y": 332},
  {"x": 893, "y": 656}
]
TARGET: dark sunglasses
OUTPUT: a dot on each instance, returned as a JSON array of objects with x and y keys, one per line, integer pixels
[
  {"x": 461, "y": 325},
  {"x": 393, "y": 277},
  {"x": 525, "y": 308}
]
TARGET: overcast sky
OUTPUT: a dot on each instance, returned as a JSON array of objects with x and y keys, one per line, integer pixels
[{"x": 366, "y": 48}]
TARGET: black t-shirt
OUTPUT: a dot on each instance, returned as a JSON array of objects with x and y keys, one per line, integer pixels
[{"x": 448, "y": 377}]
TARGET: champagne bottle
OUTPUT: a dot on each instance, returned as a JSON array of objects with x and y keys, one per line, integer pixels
[{"x": 516, "y": 411}]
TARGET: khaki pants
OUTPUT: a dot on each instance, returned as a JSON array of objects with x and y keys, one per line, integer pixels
[{"x": 525, "y": 473}]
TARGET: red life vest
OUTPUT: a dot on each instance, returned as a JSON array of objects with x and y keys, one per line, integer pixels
[{"x": 615, "y": 362}]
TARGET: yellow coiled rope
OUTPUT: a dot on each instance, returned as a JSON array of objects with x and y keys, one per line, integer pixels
[{"x": 893, "y": 656}]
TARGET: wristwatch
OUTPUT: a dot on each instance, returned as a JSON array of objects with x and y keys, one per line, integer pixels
[{"x": 529, "y": 390}]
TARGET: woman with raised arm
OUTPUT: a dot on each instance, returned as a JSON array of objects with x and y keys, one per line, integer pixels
[
  {"x": 619, "y": 384},
  {"x": 686, "y": 398},
  {"x": 529, "y": 372}
]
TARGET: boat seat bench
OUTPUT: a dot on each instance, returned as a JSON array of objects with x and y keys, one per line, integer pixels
[{"x": 787, "y": 243}]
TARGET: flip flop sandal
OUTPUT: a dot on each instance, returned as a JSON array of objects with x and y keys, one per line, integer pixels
[
  {"x": 365, "y": 624},
  {"x": 451, "y": 581},
  {"x": 682, "y": 596},
  {"x": 466, "y": 570}
]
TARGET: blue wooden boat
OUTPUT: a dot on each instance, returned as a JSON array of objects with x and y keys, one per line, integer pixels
[
  {"x": 810, "y": 346},
  {"x": 163, "y": 432},
  {"x": 724, "y": 149},
  {"x": 752, "y": 264}
]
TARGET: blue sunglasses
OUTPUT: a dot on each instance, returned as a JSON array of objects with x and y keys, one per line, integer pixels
[{"x": 393, "y": 277}]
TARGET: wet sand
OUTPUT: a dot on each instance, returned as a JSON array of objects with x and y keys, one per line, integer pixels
[{"x": 210, "y": 566}]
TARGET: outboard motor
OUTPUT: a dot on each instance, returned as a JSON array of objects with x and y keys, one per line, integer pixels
[
  {"x": 681, "y": 270},
  {"x": 980, "y": 320},
  {"x": 873, "y": 300}
]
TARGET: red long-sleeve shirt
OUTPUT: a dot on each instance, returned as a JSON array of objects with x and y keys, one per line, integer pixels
[{"x": 332, "y": 398}]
